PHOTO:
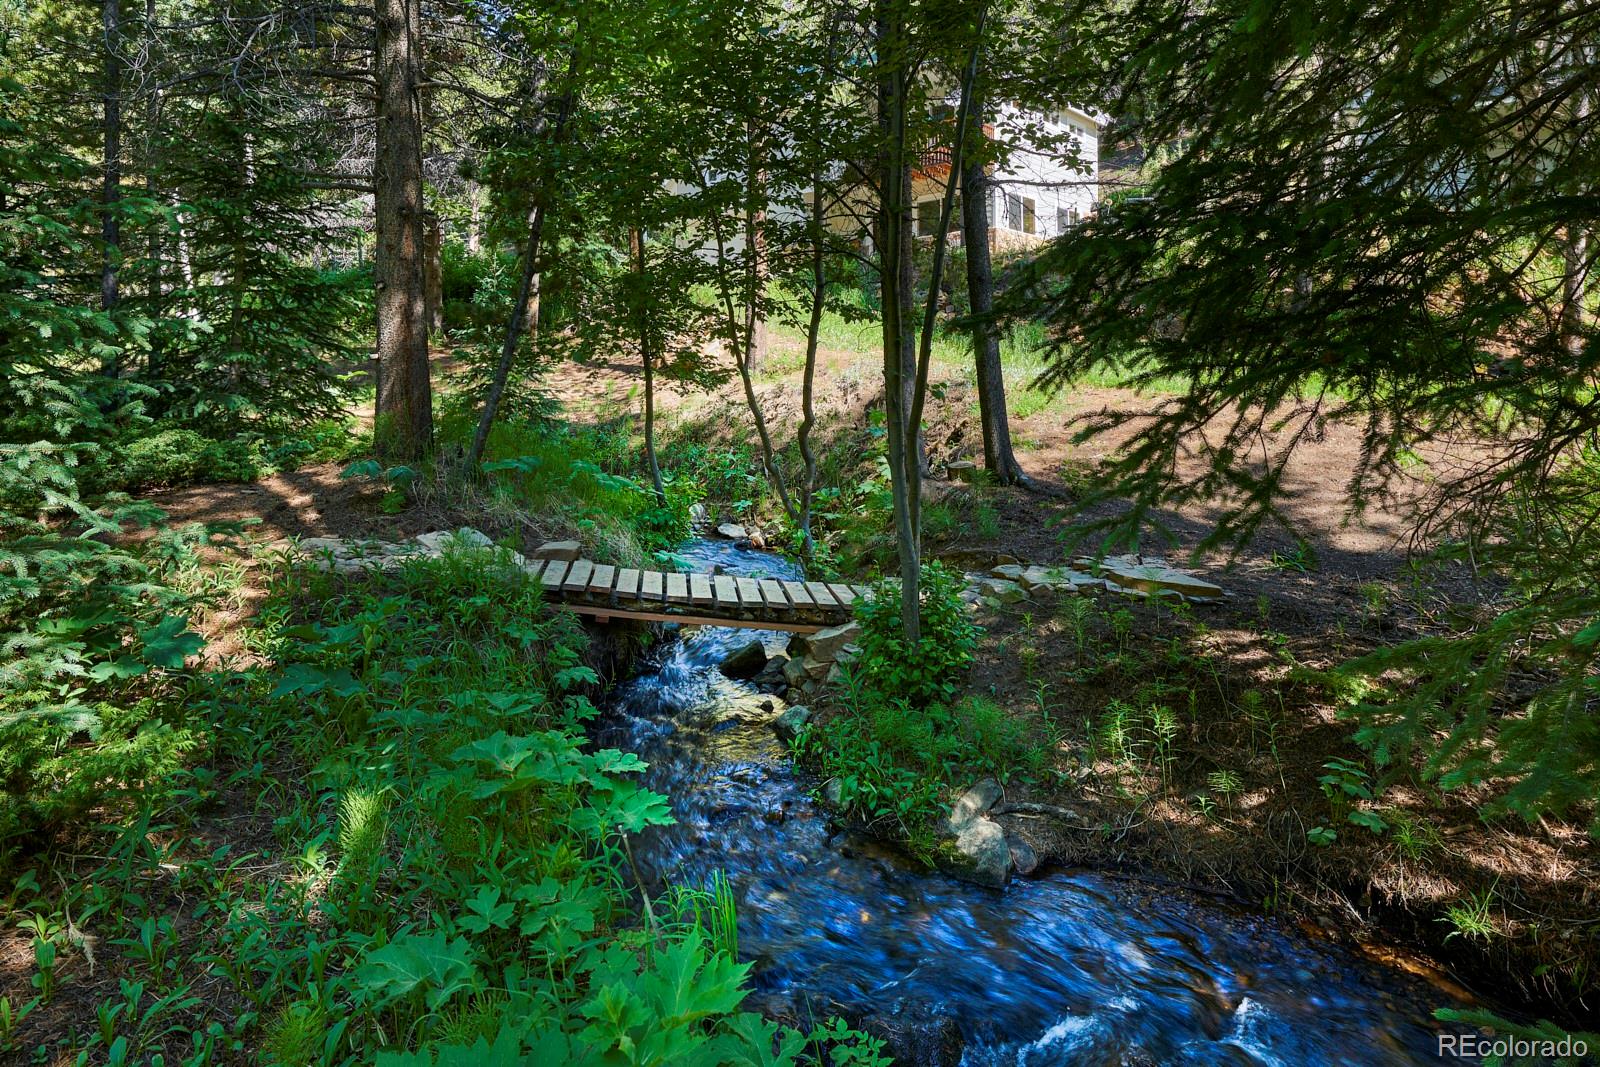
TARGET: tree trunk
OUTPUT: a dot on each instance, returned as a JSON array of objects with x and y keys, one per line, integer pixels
[
  {"x": 808, "y": 414},
  {"x": 433, "y": 273},
  {"x": 474, "y": 217},
  {"x": 647, "y": 357},
  {"x": 1574, "y": 288},
  {"x": 152, "y": 123},
  {"x": 739, "y": 334},
  {"x": 240, "y": 283},
  {"x": 527, "y": 286},
  {"x": 998, "y": 456},
  {"x": 180, "y": 241},
  {"x": 893, "y": 241},
  {"x": 756, "y": 252},
  {"x": 111, "y": 170},
  {"x": 404, "y": 427},
  {"x": 941, "y": 241}
]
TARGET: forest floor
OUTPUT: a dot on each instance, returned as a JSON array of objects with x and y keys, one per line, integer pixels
[{"x": 1225, "y": 803}]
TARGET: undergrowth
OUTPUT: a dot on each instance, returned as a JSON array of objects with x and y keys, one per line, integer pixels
[
  {"x": 903, "y": 740},
  {"x": 398, "y": 849}
]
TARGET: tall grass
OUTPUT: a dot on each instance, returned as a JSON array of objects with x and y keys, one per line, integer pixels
[{"x": 1024, "y": 355}]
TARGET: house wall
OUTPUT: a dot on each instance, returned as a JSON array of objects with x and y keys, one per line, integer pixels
[{"x": 1035, "y": 171}]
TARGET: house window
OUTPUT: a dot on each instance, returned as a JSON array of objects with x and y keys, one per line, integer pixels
[
  {"x": 1013, "y": 211},
  {"x": 928, "y": 215},
  {"x": 1066, "y": 218},
  {"x": 1030, "y": 220}
]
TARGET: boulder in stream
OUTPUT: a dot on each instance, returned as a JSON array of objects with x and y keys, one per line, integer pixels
[
  {"x": 980, "y": 854},
  {"x": 1023, "y": 858},
  {"x": 745, "y": 662},
  {"x": 791, "y": 722},
  {"x": 731, "y": 530}
]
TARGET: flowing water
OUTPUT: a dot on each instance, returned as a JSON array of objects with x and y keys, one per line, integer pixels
[{"x": 1070, "y": 968}]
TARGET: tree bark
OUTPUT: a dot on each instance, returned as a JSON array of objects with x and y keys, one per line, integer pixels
[
  {"x": 1574, "y": 288},
  {"x": 433, "y": 273},
  {"x": 998, "y": 455},
  {"x": 474, "y": 217},
  {"x": 756, "y": 252},
  {"x": 111, "y": 169},
  {"x": 808, "y": 413},
  {"x": 941, "y": 240},
  {"x": 152, "y": 123},
  {"x": 647, "y": 357},
  {"x": 893, "y": 241},
  {"x": 405, "y": 396}
]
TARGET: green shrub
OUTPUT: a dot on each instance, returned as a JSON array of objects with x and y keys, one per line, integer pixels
[
  {"x": 929, "y": 670},
  {"x": 897, "y": 762},
  {"x": 58, "y": 767},
  {"x": 167, "y": 456}
]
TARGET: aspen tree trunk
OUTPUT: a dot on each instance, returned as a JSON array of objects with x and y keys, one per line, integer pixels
[
  {"x": 527, "y": 286},
  {"x": 808, "y": 414},
  {"x": 405, "y": 397},
  {"x": 756, "y": 252},
  {"x": 474, "y": 217}
]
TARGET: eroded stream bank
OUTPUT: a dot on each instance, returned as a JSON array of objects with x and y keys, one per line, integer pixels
[{"x": 1072, "y": 967}]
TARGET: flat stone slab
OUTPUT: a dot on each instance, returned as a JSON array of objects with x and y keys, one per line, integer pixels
[
  {"x": 1156, "y": 578},
  {"x": 566, "y": 551}
]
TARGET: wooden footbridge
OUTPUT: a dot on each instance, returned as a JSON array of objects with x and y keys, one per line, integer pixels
[{"x": 607, "y": 592}]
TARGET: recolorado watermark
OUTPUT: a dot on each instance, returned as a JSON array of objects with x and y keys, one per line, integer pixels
[{"x": 1482, "y": 1046}]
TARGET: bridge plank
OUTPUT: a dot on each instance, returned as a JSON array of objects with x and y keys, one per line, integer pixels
[
  {"x": 797, "y": 593},
  {"x": 600, "y": 581},
  {"x": 628, "y": 583},
  {"x": 749, "y": 594},
  {"x": 727, "y": 592},
  {"x": 700, "y": 589},
  {"x": 650, "y": 585},
  {"x": 554, "y": 574},
  {"x": 678, "y": 588},
  {"x": 534, "y": 566},
  {"x": 578, "y": 577},
  {"x": 772, "y": 593},
  {"x": 819, "y": 593},
  {"x": 842, "y": 593}
]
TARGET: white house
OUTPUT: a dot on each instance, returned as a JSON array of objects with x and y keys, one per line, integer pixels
[
  {"x": 1037, "y": 190},
  {"x": 1045, "y": 181}
]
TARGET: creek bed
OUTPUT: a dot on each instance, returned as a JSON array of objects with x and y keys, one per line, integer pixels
[{"x": 1075, "y": 967}]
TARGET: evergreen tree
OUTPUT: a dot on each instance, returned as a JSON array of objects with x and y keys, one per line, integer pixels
[{"x": 1380, "y": 213}]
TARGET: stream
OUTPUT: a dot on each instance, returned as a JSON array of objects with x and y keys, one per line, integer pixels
[{"x": 1073, "y": 967}]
